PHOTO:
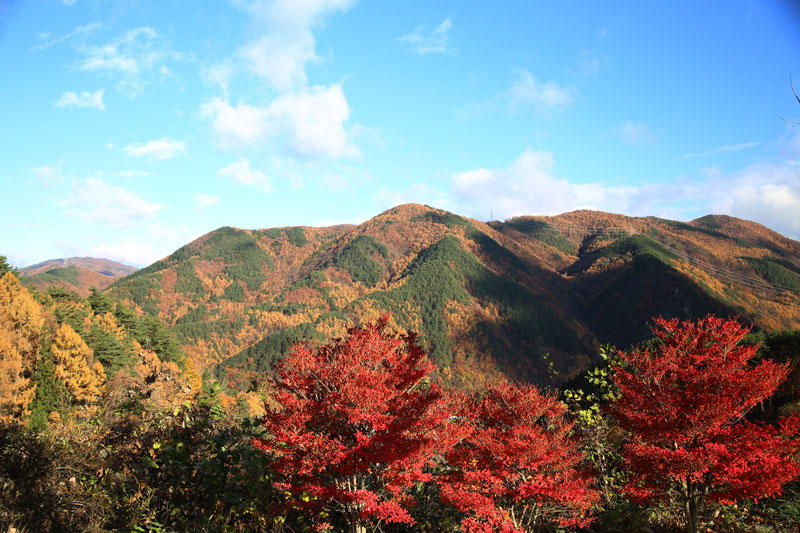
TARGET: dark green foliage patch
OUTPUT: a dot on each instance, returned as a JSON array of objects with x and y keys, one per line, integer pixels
[
  {"x": 296, "y": 236},
  {"x": 544, "y": 232},
  {"x": 187, "y": 280},
  {"x": 357, "y": 258},
  {"x": 775, "y": 273}
]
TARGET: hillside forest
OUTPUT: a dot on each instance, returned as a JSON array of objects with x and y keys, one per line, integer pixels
[{"x": 419, "y": 372}]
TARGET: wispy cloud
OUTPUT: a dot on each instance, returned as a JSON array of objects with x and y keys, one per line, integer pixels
[
  {"x": 85, "y": 100},
  {"x": 132, "y": 173},
  {"x": 725, "y": 149},
  {"x": 590, "y": 63},
  {"x": 133, "y": 59},
  {"x": 203, "y": 200},
  {"x": 117, "y": 207},
  {"x": 527, "y": 92},
  {"x": 635, "y": 133},
  {"x": 163, "y": 148},
  {"x": 240, "y": 172},
  {"x": 46, "y": 40},
  {"x": 48, "y": 173},
  {"x": 435, "y": 41}
]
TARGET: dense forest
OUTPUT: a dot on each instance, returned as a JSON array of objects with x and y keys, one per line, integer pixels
[{"x": 108, "y": 426}]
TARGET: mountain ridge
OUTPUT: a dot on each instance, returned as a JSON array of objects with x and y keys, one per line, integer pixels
[
  {"x": 491, "y": 298},
  {"x": 78, "y": 274}
]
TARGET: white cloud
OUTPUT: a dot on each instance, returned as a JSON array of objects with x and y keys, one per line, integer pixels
[
  {"x": 203, "y": 200},
  {"x": 279, "y": 56},
  {"x": 418, "y": 193},
  {"x": 435, "y": 41},
  {"x": 132, "y": 173},
  {"x": 128, "y": 252},
  {"x": 307, "y": 123},
  {"x": 527, "y": 186},
  {"x": 133, "y": 59},
  {"x": 635, "y": 133},
  {"x": 116, "y": 207},
  {"x": 48, "y": 173},
  {"x": 69, "y": 3},
  {"x": 728, "y": 148},
  {"x": 527, "y": 92},
  {"x": 83, "y": 100},
  {"x": 240, "y": 172},
  {"x": 163, "y": 148},
  {"x": 46, "y": 40},
  {"x": 766, "y": 192},
  {"x": 220, "y": 75}
]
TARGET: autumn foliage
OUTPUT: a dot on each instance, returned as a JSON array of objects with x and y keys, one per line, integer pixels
[
  {"x": 355, "y": 425},
  {"x": 684, "y": 406},
  {"x": 21, "y": 324},
  {"x": 519, "y": 467},
  {"x": 75, "y": 366}
]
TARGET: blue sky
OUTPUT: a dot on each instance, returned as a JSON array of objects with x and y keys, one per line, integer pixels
[{"x": 132, "y": 127}]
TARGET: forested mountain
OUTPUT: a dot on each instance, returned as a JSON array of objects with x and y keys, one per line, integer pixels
[
  {"x": 78, "y": 274},
  {"x": 520, "y": 298}
]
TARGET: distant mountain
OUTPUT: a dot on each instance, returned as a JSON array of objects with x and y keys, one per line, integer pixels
[
  {"x": 77, "y": 274},
  {"x": 512, "y": 298}
]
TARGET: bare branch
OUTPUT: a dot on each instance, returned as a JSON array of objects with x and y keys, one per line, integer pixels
[{"x": 791, "y": 84}]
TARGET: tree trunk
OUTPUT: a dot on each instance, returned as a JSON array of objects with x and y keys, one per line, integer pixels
[
  {"x": 355, "y": 525},
  {"x": 691, "y": 514}
]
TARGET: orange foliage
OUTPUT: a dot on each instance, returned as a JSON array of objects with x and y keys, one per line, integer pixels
[
  {"x": 75, "y": 366},
  {"x": 21, "y": 324}
]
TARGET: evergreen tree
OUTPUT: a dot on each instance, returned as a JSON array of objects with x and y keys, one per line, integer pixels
[
  {"x": 5, "y": 267},
  {"x": 159, "y": 339}
]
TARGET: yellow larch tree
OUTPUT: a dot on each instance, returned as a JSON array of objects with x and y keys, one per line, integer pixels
[
  {"x": 75, "y": 366},
  {"x": 21, "y": 326},
  {"x": 16, "y": 390}
]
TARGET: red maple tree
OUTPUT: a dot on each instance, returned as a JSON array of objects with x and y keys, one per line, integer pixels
[
  {"x": 355, "y": 426},
  {"x": 518, "y": 467},
  {"x": 683, "y": 405}
]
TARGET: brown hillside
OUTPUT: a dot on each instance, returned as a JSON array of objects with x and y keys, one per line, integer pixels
[
  {"x": 77, "y": 274},
  {"x": 489, "y": 299}
]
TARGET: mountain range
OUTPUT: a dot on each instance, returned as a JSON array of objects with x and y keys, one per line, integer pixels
[
  {"x": 529, "y": 298},
  {"x": 78, "y": 274}
]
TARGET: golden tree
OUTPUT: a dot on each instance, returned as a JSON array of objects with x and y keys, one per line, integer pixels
[
  {"x": 75, "y": 366},
  {"x": 21, "y": 324},
  {"x": 16, "y": 390}
]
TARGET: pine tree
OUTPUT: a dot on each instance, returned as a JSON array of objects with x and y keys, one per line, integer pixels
[
  {"x": 75, "y": 366},
  {"x": 4, "y": 266}
]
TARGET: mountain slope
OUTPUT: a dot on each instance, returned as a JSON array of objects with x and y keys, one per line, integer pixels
[
  {"x": 77, "y": 274},
  {"x": 503, "y": 298}
]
